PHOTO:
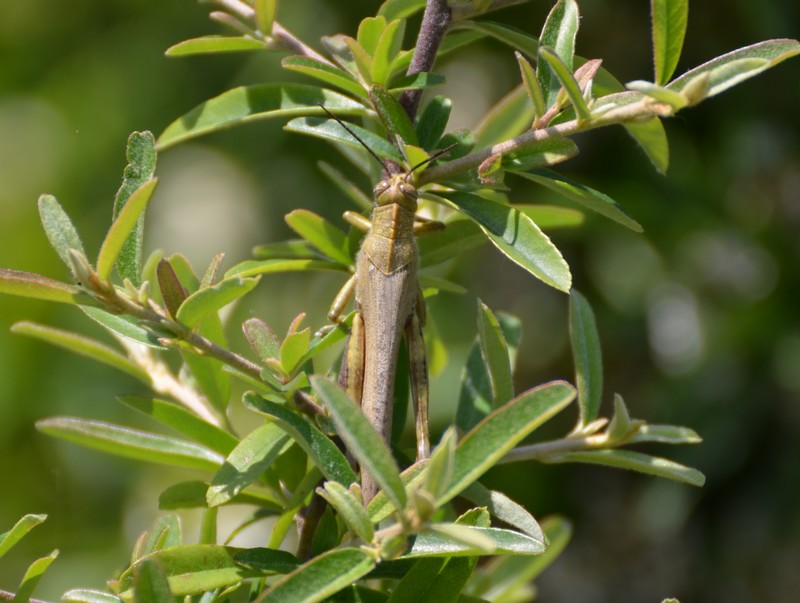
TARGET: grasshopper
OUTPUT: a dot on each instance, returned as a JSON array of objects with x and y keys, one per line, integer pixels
[{"x": 389, "y": 305}]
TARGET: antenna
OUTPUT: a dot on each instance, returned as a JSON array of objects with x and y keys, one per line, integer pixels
[
  {"x": 356, "y": 136},
  {"x": 433, "y": 157}
]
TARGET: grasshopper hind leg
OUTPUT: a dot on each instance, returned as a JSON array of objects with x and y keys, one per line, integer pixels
[{"x": 418, "y": 372}]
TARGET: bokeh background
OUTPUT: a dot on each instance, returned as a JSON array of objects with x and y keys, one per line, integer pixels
[{"x": 699, "y": 317}]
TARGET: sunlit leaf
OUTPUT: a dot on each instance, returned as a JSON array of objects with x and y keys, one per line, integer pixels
[
  {"x": 59, "y": 228},
  {"x": 325, "y": 72},
  {"x": 669, "y": 18},
  {"x": 32, "y": 577},
  {"x": 568, "y": 81},
  {"x": 434, "y": 543},
  {"x": 18, "y": 531},
  {"x": 350, "y": 508},
  {"x": 392, "y": 115},
  {"x": 400, "y": 9},
  {"x": 214, "y": 45},
  {"x": 558, "y": 33},
  {"x": 211, "y": 299},
  {"x": 326, "y": 237},
  {"x": 36, "y": 286},
  {"x": 329, "y": 129}
]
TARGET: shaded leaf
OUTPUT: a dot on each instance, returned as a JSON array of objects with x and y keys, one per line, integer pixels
[
  {"x": 516, "y": 38},
  {"x": 456, "y": 238},
  {"x": 504, "y": 509},
  {"x": 192, "y": 495},
  {"x": 392, "y": 115},
  {"x": 415, "y": 81},
  {"x": 322, "y": 451},
  {"x": 252, "y": 103},
  {"x": 59, "y": 228},
  {"x": 131, "y": 443},
  {"x": 544, "y": 153},
  {"x": 532, "y": 87},
  {"x": 587, "y": 356},
  {"x": 380, "y": 507},
  {"x": 350, "y": 508},
  {"x": 172, "y": 291},
  {"x": 321, "y": 577},
  {"x": 363, "y": 442},
  {"x": 432, "y": 121},
  {"x": 262, "y": 339},
  {"x": 653, "y": 140},
  {"x": 150, "y": 583},
  {"x": 400, "y": 9},
  {"x": 495, "y": 356},
  {"x": 509, "y": 117},
  {"x": 548, "y": 217}
]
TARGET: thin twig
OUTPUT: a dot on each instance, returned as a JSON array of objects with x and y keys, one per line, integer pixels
[{"x": 435, "y": 22}]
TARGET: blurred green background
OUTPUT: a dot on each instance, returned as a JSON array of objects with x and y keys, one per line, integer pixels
[{"x": 699, "y": 317}]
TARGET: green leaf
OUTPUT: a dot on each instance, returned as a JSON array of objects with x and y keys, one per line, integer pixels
[
  {"x": 293, "y": 350},
  {"x": 320, "y": 449},
  {"x": 253, "y": 103},
  {"x": 212, "y": 299},
  {"x": 32, "y": 576},
  {"x": 400, "y": 9},
  {"x": 141, "y": 156},
  {"x": 558, "y": 33},
  {"x": 131, "y": 443},
  {"x": 386, "y": 50},
  {"x": 475, "y": 397},
  {"x": 321, "y": 577},
  {"x": 392, "y": 115},
  {"x": 509, "y": 117},
  {"x": 432, "y": 121},
  {"x": 82, "y": 345},
  {"x": 734, "y": 67},
  {"x": 123, "y": 226},
  {"x": 379, "y": 508},
  {"x": 350, "y": 508},
  {"x": 665, "y": 434},
  {"x": 504, "y": 509},
  {"x": 634, "y": 461},
  {"x": 262, "y": 339},
  {"x": 587, "y": 356},
  {"x": 150, "y": 584},
  {"x": 669, "y": 27},
  {"x": 568, "y": 81},
  {"x": 165, "y": 533},
  {"x": 245, "y": 464},
  {"x": 499, "y": 432},
  {"x": 435, "y": 543},
  {"x": 532, "y": 87},
  {"x": 495, "y": 355},
  {"x": 325, "y": 72},
  {"x": 462, "y": 142},
  {"x": 214, "y": 45},
  {"x": 36, "y": 286},
  {"x": 257, "y": 267},
  {"x": 516, "y": 236},
  {"x": 87, "y": 595},
  {"x": 415, "y": 585},
  {"x": 192, "y": 495},
  {"x": 369, "y": 32},
  {"x": 440, "y": 467},
  {"x": 59, "y": 228},
  {"x": 516, "y": 38},
  {"x": 548, "y": 217},
  {"x": 350, "y": 189},
  {"x": 363, "y": 442},
  {"x": 20, "y": 529},
  {"x": 126, "y": 326},
  {"x": 197, "y": 568},
  {"x": 587, "y": 197},
  {"x": 329, "y": 239},
  {"x": 329, "y": 129},
  {"x": 415, "y": 81},
  {"x": 183, "y": 421},
  {"x": 265, "y": 14},
  {"x": 653, "y": 140}
]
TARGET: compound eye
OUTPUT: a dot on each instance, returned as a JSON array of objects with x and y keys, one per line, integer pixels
[{"x": 381, "y": 187}]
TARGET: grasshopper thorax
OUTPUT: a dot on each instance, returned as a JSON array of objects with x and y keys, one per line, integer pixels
[{"x": 396, "y": 190}]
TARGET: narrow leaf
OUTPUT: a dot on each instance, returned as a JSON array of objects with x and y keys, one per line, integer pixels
[
  {"x": 32, "y": 576},
  {"x": 122, "y": 227},
  {"x": 435, "y": 543},
  {"x": 124, "y": 326},
  {"x": 322, "y": 451},
  {"x": 495, "y": 355},
  {"x": 59, "y": 228},
  {"x": 369, "y": 32},
  {"x": 499, "y": 432},
  {"x": 262, "y": 339},
  {"x": 634, "y": 461},
  {"x": 503, "y": 508},
  {"x": 325, "y": 72},
  {"x": 568, "y": 81},
  {"x": 516, "y": 38},
  {"x": 416, "y": 81},
  {"x": 350, "y": 189},
  {"x": 584, "y": 195},
  {"x": 183, "y": 421},
  {"x": 20, "y": 529},
  {"x": 150, "y": 584},
  {"x": 87, "y": 595},
  {"x": 321, "y": 577},
  {"x": 587, "y": 357},
  {"x": 652, "y": 138},
  {"x": 665, "y": 434},
  {"x": 192, "y": 495},
  {"x": 363, "y": 442},
  {"x": 329, "y": 239},
  {"x": 379, "y": 508},
  {"x": 212, "y": 299},
  {"x": 456, "y": 238},
  {"x": 558, "y": 33},
  {"x": 82, "y": 345},
  {"x": 141, "y": 156},
  {"x": 245, "y": 464},
  {"x": 392, "y": 115},
  {"x": 131, "y": 443},
  {"x": 350, "y": 508},
  {"x": 172, "y": 291},
  {"x": 214, "y": 45},
  {"x": 517, "y": 237},
  {"x": 36, "y": 286},
  {"x": 532, "y": 87},
  {"x": 385, "y": 51},
  {"x": 432, "y": 121},
  {"x": 400, "y": 9},
  {"x": 440, "y": 467},
  {"x": 265, "y": 14},
  {"x": 548, "y": 217},
  {"x": 293, "y": 349},
  {"x": 329, "y": 129},
  {"x": 509, "y": 117},
  {"x": 669, "y": 27},
  {"x": 253, "y": 103},
  {"x": 539, "y": 155},
  {"x": 257, "y": 267}
]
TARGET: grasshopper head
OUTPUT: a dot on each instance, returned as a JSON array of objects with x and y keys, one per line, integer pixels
[{"x": 397, "y": 190}]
